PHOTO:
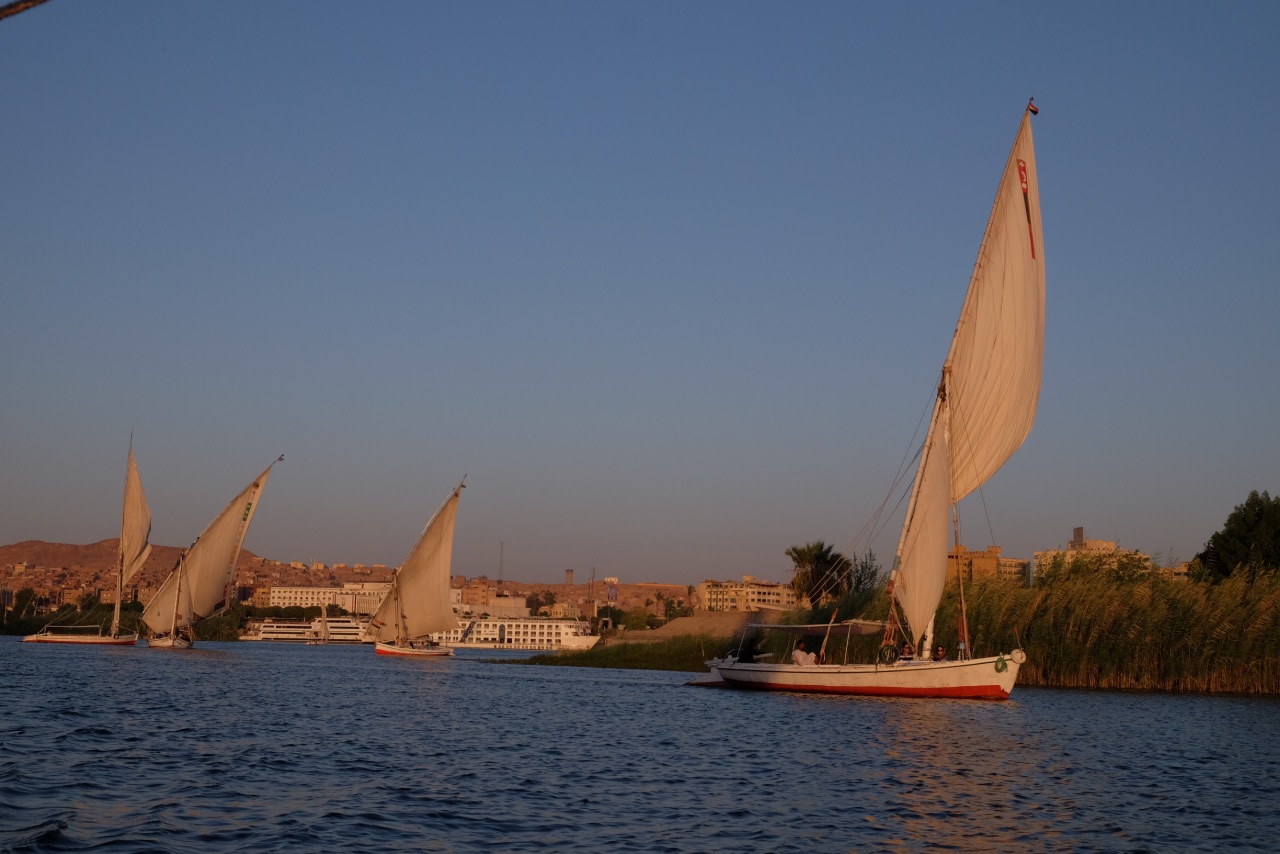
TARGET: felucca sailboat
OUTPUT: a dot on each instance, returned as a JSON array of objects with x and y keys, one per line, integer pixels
[
  {"x": 200, "y": 585},
  {"x": 417, "y": 605},
  {"x": 985, "y": 406},
  {"x": 135, "y": 529}
]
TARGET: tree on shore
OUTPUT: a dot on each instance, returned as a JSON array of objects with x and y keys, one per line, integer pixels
[
  {"x": 820, "y": 571},
  {"x": 1249, "y": 541},
  {"x": 535, "y": 602}
]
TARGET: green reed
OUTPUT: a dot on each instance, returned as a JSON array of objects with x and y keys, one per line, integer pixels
[
  {"x": 1080, "y": 630},
  {"x": 687, "y": 653},
  {"x": 1149, "y": 633}
]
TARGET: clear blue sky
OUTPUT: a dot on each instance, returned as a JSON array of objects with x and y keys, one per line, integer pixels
[{"x": 671, "y": 283}]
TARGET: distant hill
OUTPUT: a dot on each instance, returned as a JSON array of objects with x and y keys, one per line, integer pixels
[{"x": 101, "y": 555}]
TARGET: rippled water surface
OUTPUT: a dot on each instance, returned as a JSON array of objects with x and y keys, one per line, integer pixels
[{"x": 262, "y": 747}]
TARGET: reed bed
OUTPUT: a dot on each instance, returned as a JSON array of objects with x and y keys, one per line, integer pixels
[
  {"x": 1090, "y": 631},
  {"x": 687, "y": 653},
  {"x": 1083, "y": 630}
]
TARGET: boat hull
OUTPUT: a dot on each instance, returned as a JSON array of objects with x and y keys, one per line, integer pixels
[
  {"x": 977, "y": 679},
  {"x": 93, "y": 640},
  {"x": 337, "y": 630},
  {"x": 381, "y": 648},
  {"x": 170, "y": 642},
  {"x": 710, "y": 679},
  {"x": 569, "y": 644},
  {"x": 550, "y": 634}
]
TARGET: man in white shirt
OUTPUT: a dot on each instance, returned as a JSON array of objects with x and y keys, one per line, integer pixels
[{"x": 800, "y": 657}]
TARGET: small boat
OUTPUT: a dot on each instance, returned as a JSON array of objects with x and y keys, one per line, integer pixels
[
  {"x": 417, "y": 604},
  {"x": 985, "y": 405},
  {"x": 321, "y": 634},
  {"x": 200, "y": 585},
  {"x": 135, "y": 529}
]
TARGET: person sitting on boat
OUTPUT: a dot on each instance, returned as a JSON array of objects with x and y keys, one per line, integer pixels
[
  {"x": 800, "y": 657},
  {"x": 940, "y": 654},
  {"x": 907, "y": 653},
  {"x": 749, "y": 650}
]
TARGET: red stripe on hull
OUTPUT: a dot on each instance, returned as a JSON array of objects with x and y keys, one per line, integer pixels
[
  {"x": 991, "y": 678},
  {"x": 413, "y": 653},
  {"x": 93, "y": 642},
  {"x": 968, "y": 692}
]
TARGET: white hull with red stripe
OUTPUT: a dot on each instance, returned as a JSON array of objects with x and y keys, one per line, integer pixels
[{"x": 980, "y": 678}]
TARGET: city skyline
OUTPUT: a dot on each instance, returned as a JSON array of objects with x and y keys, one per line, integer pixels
[{"x": 670, "y": 285}]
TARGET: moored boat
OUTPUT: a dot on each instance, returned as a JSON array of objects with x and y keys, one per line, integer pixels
[
  {"x": 520, "y": 632},
  {"x": 338, "y": 630},
  {"x": 81, "y": 635}
]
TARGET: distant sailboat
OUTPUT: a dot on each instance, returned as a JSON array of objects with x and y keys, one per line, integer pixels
[
  {"x": 985, "y": 406},
  {"x": 200, "y": 585},
  {"x": 321, "y": 634},
  {"x": 417, "y": 605},
  {"x": 135, "y": 529}
]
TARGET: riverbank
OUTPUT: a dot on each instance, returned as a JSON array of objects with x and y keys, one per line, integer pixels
[{"x": 1081, "y": 631}]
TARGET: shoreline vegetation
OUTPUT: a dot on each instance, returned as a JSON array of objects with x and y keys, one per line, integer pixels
[
  {"x": 1080, "y": 629},
  {"x": 1082, "y": 626}
]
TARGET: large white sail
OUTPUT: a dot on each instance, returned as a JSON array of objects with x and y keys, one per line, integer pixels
[
  {"x": 199, "y": 586},
  {"x": 418, "y": 603},
  {"x": 135, "y": 530},
  {"x": 993, "y": 381},
  {"x": 990, "y": 383}
]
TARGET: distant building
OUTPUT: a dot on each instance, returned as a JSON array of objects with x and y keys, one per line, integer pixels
[
  {"x": 498, "y": 605},
  {"x": 483, "y": 595},
  {"x": 354, "y": 597},
  {"x": 746, "y": 595},
  {"x": 1107, "y": 551},
  {"x": 565, "y": 610},
  {"x": 974, "y": 566}
]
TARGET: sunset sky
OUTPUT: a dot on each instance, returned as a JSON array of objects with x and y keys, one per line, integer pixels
[{"x": 670, "y": 283}]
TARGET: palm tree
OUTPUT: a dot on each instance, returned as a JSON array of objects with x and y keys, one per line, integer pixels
[{"x": 820, "y": 572}]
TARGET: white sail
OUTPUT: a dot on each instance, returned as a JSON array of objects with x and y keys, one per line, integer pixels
[
  {"x": 990, "y": 383},
  {"x": 417, "y": 605},
  {"x": 199, "y": 586},
  {"x": 993, "y": 382},
  {"x": 922, "y": 555},
  {"x": 135, "y": 530}
]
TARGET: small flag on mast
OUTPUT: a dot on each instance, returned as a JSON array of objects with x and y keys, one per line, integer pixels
[{"x": 1032, "y": 107}]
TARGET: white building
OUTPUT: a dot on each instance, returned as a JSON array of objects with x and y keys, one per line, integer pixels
[
  {"x": 746, "y": 595},
  {"x": 1108, "y": 551},
  {"x": 354, "y": 597}
]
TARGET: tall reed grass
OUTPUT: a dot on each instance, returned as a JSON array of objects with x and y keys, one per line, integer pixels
[
  {"x": 1080, "y": 630},
  {"x": 687, "y": 653},
  {"x": 1149, "y": 633}
]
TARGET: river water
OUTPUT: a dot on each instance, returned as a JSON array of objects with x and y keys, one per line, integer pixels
[{"x": 294, "y": 748}]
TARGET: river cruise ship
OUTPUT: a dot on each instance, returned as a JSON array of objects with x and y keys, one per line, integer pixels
[
  {"x": 317, "y": 631},
  {"x": 542, "y": 633}
]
